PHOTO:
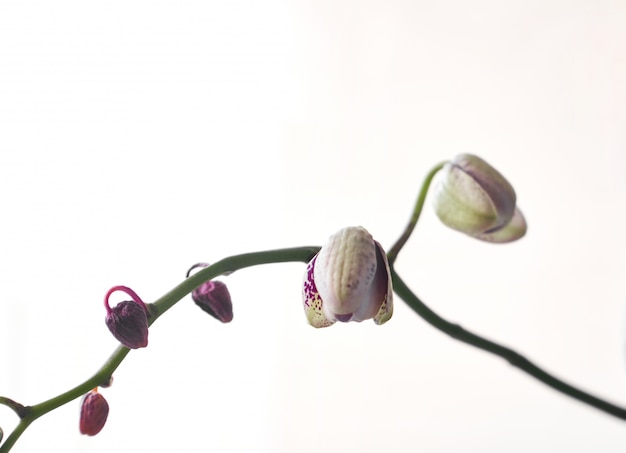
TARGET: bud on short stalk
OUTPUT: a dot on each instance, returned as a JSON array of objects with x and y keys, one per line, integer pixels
[{"x": 474, "y": 198}]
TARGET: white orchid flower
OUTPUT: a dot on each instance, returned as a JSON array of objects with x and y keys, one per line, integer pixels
[{"x": 348, "y": 280}]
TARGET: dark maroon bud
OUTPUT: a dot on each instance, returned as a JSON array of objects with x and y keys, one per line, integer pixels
[
  {"x": 128, "y": 320},
  {"x": 94, "y": 411},
  {"x": 213, "y": 297}
]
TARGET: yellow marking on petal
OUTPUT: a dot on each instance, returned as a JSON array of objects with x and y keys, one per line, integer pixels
[
  {"x": 384, "y": 314},
  {"x": 314, "y": 313}
]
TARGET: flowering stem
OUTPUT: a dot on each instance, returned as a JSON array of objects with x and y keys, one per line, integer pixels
[
  {"x": 459, "y": 333},
  {"x": 392, "y": 254},
  {"x": 28, "y": 414}
]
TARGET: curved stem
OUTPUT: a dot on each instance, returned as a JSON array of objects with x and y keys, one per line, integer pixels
[
  {"x": 19, "y": 409},
  {"x": 103, "y": 375},
  {"x": 417, "y": 210},
  {"x": 517, "y": 360}
]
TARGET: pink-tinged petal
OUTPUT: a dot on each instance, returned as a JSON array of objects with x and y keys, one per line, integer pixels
[
  {"x": 379, "y": 288},
  {"x": 312, "y": 300},
  {"x": 345, "y": 273}
]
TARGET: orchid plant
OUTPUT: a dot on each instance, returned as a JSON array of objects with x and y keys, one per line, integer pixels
[{"x": 350, "y": 278}]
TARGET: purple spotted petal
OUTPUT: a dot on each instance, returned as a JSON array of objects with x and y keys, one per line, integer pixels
[{"x": 312, "y": 300}]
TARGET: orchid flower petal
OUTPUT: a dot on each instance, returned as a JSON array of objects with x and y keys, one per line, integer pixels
[{"x": 312, "y": 299}]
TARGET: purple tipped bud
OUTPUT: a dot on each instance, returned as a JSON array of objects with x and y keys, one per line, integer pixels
[
  {"x": 94, "y": 411},
  {"x": 128, "y": 320},
  {"x": 213, "y": 297}
]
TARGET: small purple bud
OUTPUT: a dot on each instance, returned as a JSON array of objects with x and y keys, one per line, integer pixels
[
  {"x": 213, "y": 297},
  {"x": 128, "y": 320},
  {"x": 94, "y": 411}
]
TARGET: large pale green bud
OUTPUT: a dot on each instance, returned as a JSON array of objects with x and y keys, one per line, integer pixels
[
  {"x": 474, "y": 198},
  {"x": 348, "y": 280}
]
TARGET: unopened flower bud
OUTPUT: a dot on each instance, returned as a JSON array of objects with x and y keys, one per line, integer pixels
[
  {"x": 94, "y": 411},
  {"x": 348, "y": 280},
  {"x": 474, "y": 198},
  {"x": 213, "y": 297},
  {"x": 128, "y": 320}
]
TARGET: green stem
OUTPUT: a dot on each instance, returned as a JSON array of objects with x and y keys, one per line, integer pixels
[
  {"x": 417, "y": 210},
  {"x": 103, "y": 375},
  {"x": 459, "y": 333}
]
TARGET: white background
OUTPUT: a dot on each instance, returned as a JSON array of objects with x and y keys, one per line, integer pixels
[{"x": 139, "y": 137}]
